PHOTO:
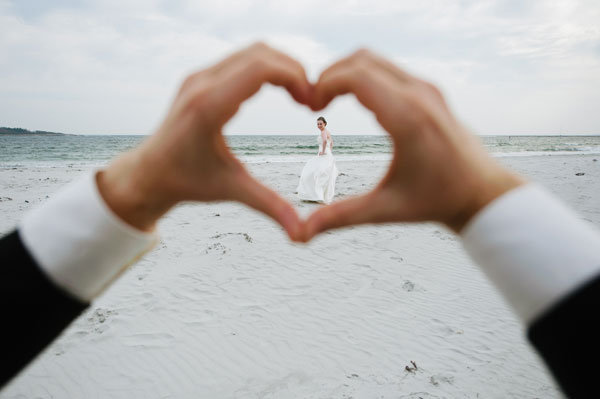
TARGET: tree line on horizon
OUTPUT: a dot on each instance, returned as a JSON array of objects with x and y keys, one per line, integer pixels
[{"x": 18, "y": 130}]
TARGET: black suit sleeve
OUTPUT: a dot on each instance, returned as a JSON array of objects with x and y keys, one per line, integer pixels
[
  {"x": 34, "y": 310},
  {"x": 567, "y": 337}
]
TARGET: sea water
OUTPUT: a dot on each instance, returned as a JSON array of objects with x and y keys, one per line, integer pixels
[{"x": 28, "y": 150}]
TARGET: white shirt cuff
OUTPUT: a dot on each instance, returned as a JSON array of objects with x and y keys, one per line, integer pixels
[
  {"x": 533, "y": 248},
  {"x": 80, "y": 244}
]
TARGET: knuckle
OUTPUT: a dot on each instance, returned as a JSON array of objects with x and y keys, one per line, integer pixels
[
  {"x": 363, "y": 53},
  {"x": 255, "y": 50},
  {"x": 413, "y": 98},
  {"x": 414, "y": 109},
  {"x": 187, "y": 82},
  {"x": 199, "y": 97},
  {"x": 298, "y": 66},
  {"x": 433, "y": 89},
  {"x": 259, "y": 46},
  {"x": 257, "y": 63},
  {"x": 199, "y": 100},
  {"x": 362, "y": 62},
  {"x": 361, "y": 67}
]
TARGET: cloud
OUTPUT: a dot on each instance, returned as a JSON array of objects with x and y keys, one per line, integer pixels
[{"x": 113, "y": 67}]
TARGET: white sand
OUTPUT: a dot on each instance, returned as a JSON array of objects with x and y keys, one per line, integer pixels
[{"x": 225, "y": 306}]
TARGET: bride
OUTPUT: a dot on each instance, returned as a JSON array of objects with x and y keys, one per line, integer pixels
[{"x": 317, "y": 182}]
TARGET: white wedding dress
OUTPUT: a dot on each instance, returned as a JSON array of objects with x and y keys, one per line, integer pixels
[{"x": 317, "y": 182}]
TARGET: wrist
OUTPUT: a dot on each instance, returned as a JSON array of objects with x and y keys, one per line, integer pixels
[
  {"x": 492, "y": 184},
  {"x": 130, "y": 186}
]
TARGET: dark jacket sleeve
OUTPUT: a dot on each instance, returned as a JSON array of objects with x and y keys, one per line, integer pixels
[
  {"x": 567, "y": 337},
  {"x": 34, "y": 310}
]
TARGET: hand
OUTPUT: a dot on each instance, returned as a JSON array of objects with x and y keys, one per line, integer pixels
[
  {"x": 439, "y": 172},
  {"x": 187, "y": 159}
]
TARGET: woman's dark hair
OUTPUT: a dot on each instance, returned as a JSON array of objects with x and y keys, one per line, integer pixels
[{"x": 320, "y": 118}]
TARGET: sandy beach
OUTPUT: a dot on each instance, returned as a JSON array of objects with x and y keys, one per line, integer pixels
[{"x": 226, "y": 307}]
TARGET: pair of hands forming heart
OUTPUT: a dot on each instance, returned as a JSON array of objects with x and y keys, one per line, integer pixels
[{"x": 439, "y": 171}]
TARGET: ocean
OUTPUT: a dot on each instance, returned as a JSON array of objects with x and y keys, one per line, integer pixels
[{"x": 87, "y": 150}]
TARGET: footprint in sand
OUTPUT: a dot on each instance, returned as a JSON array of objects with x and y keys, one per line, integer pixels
[
  {"x": 98, "y": 319},
  {"x": 445, "y": 330},
  {"x": 419, "y": 395},
  {"x": 444, "y": 236},
  {"x": 441, "y": 379},
  {"x": 246, "y": 236},
  {"x": 408, "y": 286},
  {"x": 216, "y": 248}
]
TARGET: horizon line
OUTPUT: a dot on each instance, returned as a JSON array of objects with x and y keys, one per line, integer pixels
[{"x": 304, "y": 134}]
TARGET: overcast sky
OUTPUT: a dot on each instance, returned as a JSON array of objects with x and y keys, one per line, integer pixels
[{"x": 112, "y": 67}]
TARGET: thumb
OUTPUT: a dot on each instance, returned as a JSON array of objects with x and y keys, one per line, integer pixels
[
  {"x": 256, "y": 195},
  {"x": 367, "y": 208}
]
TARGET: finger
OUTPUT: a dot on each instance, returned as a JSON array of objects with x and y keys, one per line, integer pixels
[
  {"x": 369, "y": 57},
  {"x": 220, "y": 99},
  {"x": 397, "y": 72},
  {"x": 214, "y": 69},
  {"x": 236, "y": 57},
  {"x": 367, "y": 208},
  {"x": 256, "y": 195},
  {"x": 350, "y": 79},
  {"x": 244, "y": 79},
  {"x": 364, "y": 65},
  {"x": 219, "y": 91},
  {"x": 244, "y": 72},
  {"x": 374, "y": 88},
  {"x": 262, "y": 65},
  {"x": 392, "y": 68}
]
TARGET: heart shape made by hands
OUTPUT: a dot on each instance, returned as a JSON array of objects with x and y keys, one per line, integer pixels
[{"x": 439, "y": 171}]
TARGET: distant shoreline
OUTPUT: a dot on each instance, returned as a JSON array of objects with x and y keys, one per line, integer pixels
[{"x": 15, "y": 131}]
